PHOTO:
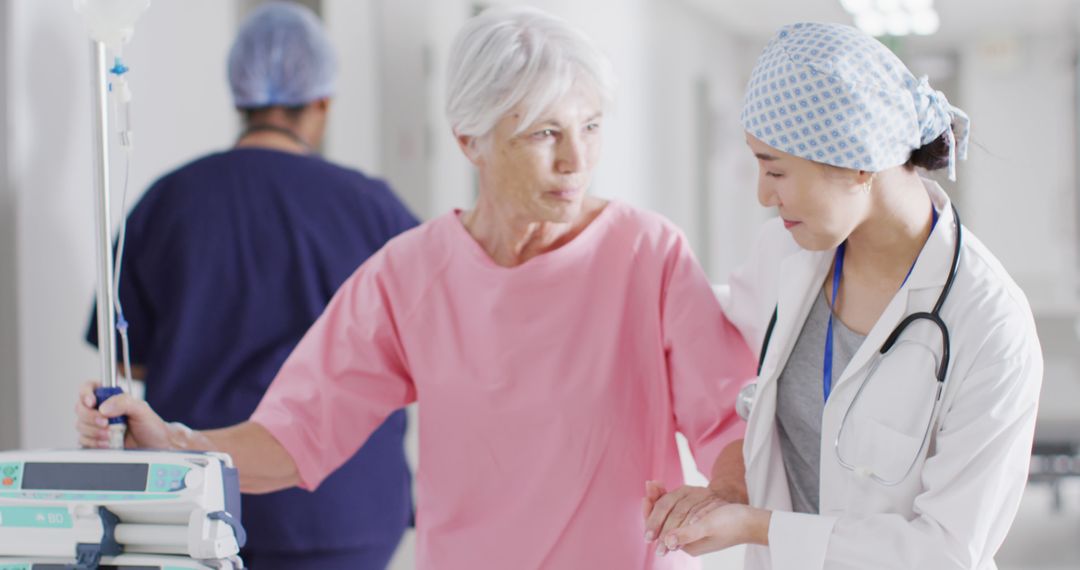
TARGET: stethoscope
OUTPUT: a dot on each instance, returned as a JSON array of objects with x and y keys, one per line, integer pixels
[{"x": 746, "y": 397}]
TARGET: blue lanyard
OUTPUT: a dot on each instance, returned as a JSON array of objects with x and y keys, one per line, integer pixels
[{"x": 838, "y": 268}]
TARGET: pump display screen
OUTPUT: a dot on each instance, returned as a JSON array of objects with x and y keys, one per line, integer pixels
[
  {"x": 101, "y": 567},
  {"x": 85, "y": 476}
]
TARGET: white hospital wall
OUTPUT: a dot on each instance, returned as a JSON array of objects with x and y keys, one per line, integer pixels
[
  {"x": 1020, "y": 179},
  {"x": 353, "y": 132},
  {"x": 1020, "y": 188},
  {"x": 9, "y": 346},
  {"x": 50, "y": 173},
  {"x": 405, "y": 131},
  {"x": 180, "y": 110},
  {"x": 704, "y": 178}
]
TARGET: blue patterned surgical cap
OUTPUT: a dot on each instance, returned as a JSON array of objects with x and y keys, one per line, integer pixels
[
  {"x": 281, "y": 57},
  {"x": 832, "y": 94}
]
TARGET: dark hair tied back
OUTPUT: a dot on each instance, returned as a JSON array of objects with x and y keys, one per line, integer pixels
[{"x": 933, "y": 155}]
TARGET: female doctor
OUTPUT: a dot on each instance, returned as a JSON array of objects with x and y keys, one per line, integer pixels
[{"x": 892, "y": 418}]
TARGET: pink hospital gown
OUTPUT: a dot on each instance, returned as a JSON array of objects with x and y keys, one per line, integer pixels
[{"x": 548, "y": 392}]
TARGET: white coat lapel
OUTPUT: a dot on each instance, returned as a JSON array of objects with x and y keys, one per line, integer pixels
[{"x": 799, "y": 279}]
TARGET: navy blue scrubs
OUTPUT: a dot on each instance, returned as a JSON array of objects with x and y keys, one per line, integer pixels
[{"x": 228, "y": 261}]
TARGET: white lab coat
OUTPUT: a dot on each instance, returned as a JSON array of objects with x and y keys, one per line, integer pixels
[{"x": 956, "y": 507}]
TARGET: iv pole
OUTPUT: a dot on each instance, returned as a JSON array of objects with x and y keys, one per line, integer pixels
[
  {"x": 106, "y": 312},
  {"x": 110, "y": 23}
]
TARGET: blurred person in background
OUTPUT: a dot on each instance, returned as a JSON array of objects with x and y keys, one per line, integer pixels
[{"x": 231, "y": 258}]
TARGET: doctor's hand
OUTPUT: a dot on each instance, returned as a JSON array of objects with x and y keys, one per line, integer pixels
[
  {"x": 665, "y": 511},
  {"x": 145, "y": 429},
  {"x": 718, "y": 527}
]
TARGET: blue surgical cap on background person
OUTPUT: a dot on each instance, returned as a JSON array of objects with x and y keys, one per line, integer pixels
[{"x": 281, "y": 57}]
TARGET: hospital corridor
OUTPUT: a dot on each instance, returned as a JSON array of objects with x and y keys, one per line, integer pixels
[{"x": 539, "y": 284}]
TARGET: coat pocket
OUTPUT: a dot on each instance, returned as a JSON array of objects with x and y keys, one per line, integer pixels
[{"x": 886, "y": 453}]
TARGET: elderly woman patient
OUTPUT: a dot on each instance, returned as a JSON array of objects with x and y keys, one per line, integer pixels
[{"x": 555, "y": 341}]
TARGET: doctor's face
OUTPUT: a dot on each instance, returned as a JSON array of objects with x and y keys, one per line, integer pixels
[
  {"x": 542, "y": 173},
  {"x": 821, "y": 205}
]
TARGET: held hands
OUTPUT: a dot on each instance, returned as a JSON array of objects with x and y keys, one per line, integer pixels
[
  {"x": 664, "y": 512},
  {"x": 145, "y": 429},
  {"x": 699, "y": 520}
]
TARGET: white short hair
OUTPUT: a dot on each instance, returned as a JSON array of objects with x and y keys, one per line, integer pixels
[{"x": 510, "y": 56}]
